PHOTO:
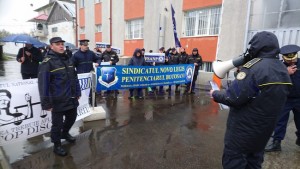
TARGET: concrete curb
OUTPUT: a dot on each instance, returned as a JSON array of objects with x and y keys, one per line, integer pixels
[{"x": 98, "y": 113}]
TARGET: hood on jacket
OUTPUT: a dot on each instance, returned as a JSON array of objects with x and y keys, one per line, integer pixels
[
  {"x": 137, "y": 50},
  {"x": 264, "y": 44}
]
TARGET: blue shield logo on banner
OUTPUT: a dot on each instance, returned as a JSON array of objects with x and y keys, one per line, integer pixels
[
  {"x": 189, "y": 73},
  {"x": 108, "y": 76}
]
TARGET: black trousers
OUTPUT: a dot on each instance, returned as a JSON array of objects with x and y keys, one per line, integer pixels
[
  {"x": 62, "y": 125},
  {"x": 28, "y": 76},
  {"x": 236, "y": 160}
]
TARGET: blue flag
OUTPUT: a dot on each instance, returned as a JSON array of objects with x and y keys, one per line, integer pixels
[{"x": 177, "y": 42}]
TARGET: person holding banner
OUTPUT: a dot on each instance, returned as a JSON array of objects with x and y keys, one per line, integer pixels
[
  {"x": 84, "y": 58},
  {"x": 183, "y": 56},
  {"x": 83, "y": 61},
  {"x": 110, "y": 56},
  {"x": 59, "y": 92},
  {"x": 195, "y": 59},
  {"x": 161, "y": 88},
  {"x": 137, "y": 60},
  {"x": 173, "y": 59}
]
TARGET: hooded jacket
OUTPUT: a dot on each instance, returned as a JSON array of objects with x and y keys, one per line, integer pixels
[
  {"x": 137, "y": 60},
  {"x": 255, "y": 97},
  {"x": 58, "y": 83}
]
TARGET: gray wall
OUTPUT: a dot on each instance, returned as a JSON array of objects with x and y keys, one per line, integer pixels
[
  {"x": 105, "y": 21},
  {"x": 118, "y": 23},
  {"x": 233, "y": 29},
  {"x": 90, "y": 22}
]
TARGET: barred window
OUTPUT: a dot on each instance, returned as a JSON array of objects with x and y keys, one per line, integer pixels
[
  {"x": 207, "y": 67},
  {"x": 135, "y": 29},
  {"x": 98, "y": 28},
  {"x": 202, "y": 22},
  {"x": 274, "y": 14},
  {"x": 54, "y": 29}
]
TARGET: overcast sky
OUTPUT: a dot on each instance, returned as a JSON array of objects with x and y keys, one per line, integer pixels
[{"x": 15, "y": 13}]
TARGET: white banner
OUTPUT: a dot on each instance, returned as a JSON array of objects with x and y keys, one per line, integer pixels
[{"x": 21, "y": 116}]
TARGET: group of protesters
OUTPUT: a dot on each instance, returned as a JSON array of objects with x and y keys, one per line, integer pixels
[
  {"x": 172, "y": 57},
  {"x": 59, "y": 86}
]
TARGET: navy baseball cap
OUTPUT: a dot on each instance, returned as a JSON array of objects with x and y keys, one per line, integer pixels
[{"x": 84, "y": 42}]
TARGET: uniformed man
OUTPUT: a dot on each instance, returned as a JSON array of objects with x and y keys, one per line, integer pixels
[
  {"x": 195, "y": 59},
  {"x": 68, "y": 52},
  {"x": 292, "y": 62},
  {"x": 112, "y": 57},
  {"x": 255, "y": 98},
  {"x": 84, "y": 58},
  {"x": 173, "y": 59},
  {"x": 59, "y": 91}
]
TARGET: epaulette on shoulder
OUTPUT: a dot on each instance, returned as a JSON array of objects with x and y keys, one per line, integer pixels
[
  {"x": 252, "y": 62},
  {"x": 46, "y": 59}
]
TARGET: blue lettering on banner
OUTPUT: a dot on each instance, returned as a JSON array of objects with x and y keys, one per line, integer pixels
[
  {"x": 125, "y": 77},
  {"x": 85, "y": 83}
]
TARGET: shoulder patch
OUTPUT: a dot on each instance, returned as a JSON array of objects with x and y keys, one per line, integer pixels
[
  {"x": 46, "y": 59},
  {"x": 241, "y": 76},
  {"x": 252, "y": 62}
]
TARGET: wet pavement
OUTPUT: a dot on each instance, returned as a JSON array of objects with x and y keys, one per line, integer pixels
[{"x": 158, "y": 132}]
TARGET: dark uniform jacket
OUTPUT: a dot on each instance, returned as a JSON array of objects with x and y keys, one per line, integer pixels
[
  {"x": 173, "y": 59},
  {"x": 31, "y": 63},
  {"x": 195, "y": 59},
  {"x": 110, "y": 56},
  {"x": 58, "y": 83},
  {"x": 256, "y": 97},
  {"x": 295, "y": 89},
  {"x": 182, "y": 57},
  {"x": 83, "y": 61},
  {"x": 137, "y": 60}
]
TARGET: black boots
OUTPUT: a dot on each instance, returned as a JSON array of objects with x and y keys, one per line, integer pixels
[
  {"x": 68, "y": 137},
  {"x": 58, "y": 149},
  {"x": 275, "y": 146}
]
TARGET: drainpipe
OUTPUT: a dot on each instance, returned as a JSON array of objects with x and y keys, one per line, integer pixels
[
  {"x": 76, "y": 26},
  {"x": 110, "y": 22}
]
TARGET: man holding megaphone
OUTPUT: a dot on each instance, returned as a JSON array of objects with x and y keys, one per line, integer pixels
[{"x": 255, "y": 98}]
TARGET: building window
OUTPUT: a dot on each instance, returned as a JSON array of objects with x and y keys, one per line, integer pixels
[
  {"x": 206, "y": 66},
  {"x": 82, "y": 30},
  {"x": 81, "y": 3},
  {"x": 54, "y": 29},
  {"x": 202, "y": 22},
  {"x": 98, "y": 1},
  {"x": 274, "y": 14},
  {"x": 98, "y": 28},
  {"x": 135, "y": 29}
]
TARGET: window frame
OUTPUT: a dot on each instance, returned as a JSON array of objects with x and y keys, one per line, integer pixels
[
  {"x": 210, "y": 16},
  {"x": 97, "y": 28},
  {"x": 130, "y": 34}
]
